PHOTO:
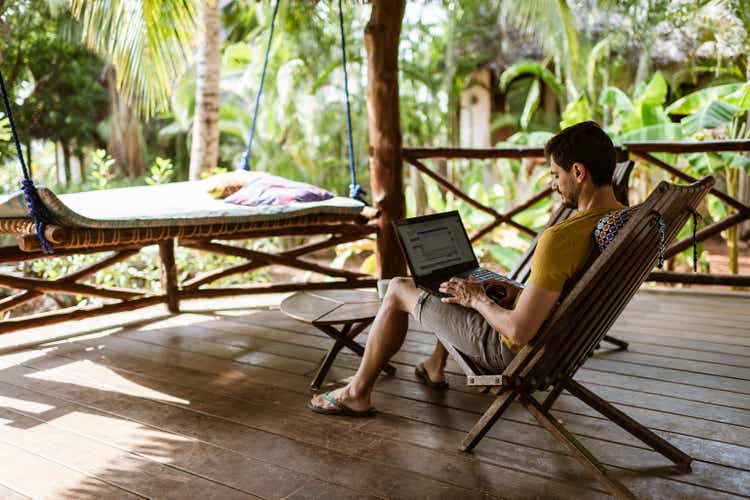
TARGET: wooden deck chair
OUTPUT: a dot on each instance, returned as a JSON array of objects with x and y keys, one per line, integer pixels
[
  {"x": 522, "y": 270},
  {"x": 579, "y": 323}
]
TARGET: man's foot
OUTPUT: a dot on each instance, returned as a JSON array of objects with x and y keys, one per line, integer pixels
[
  {"x": 341, "y": 402},
  {"x": 423, "y": 374}
]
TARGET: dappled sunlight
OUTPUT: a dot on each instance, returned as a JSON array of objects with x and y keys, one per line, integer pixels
[
  {"x": 124, "y": 434},
  {"x": 231, "y": 378},
  {"x": 185, "y": 319},
  {"x": 84, "y": 337},
  {"x": 18, "y": 358},
  {"x": 239, "y": 312},
  {"x": 23, "y": 405},
  {"x": 98, "y": 376}
]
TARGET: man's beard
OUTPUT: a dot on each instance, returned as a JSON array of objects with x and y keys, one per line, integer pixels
[{"x": 570, "y": 202}]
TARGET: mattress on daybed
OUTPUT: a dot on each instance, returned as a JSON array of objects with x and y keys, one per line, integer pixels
[{"x": 175, "y": 204}]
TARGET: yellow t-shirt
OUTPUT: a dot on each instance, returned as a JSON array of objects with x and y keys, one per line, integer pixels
[
  {"x": 561, "y": 252},
  {"x": 563, "y": 249}
]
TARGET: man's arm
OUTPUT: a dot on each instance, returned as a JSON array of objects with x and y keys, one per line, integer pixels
[{"x": 520, "y": 324}]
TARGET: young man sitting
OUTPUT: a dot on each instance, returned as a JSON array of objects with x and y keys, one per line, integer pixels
[{"x": 582, "y": 161}]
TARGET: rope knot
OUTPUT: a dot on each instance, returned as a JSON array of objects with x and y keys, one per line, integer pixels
[
  {"x": 38, "y": 212},
  {"x": 357, "y": 193}
]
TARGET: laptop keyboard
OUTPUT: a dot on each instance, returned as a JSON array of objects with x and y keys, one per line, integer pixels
[{"x": 482, "y": 274}]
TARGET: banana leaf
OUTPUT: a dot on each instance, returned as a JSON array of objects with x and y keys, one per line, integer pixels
[
  {"x": 531, "y": 105},
  {"x": 617, "y": 100},
  {"x": 576, "y": 112},
  {"x": 659, "y": 132},
  {"x": 735, "y": 160},
  {"x": 694, "y": 101},
  {"x": 740, "y": 97},
  {"x": 714, "y": 114},
  {"x": 655, "y": 92},
  {"x": 529, "y": 68}
]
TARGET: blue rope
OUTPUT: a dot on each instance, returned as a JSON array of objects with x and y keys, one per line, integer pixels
[
  {"x": 248, "y": 151},
  {"x": 355, "y": 190},
  {"x": 37, "y": 209}
]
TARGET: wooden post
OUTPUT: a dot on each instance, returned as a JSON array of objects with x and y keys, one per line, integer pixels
[
  {"x": 386, "y": 170},
  {"x": 169, "y": 275}
]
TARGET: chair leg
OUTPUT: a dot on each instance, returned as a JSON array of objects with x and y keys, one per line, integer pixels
[
  {"x": 501, "y": 403},
  {"x": 621, "y": 344},
  {"x": 325, "y": 365},
  {"x": 629, "y": 424},
  {"x": 580, "y": 452},
  {"x": 344, "y": 338}
]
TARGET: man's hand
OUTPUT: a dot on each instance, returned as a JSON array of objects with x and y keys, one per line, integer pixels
[{"x": 467, "y": 293}]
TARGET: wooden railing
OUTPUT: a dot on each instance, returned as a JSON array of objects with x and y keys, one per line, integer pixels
[{"x": 640, "y": 151}]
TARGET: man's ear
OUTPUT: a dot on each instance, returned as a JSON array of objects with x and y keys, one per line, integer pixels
[{"x": 579, "y": 172}]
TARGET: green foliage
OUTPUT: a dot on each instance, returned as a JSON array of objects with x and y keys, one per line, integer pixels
[
  {"x": 714, "y": 114},
  {"x": 54, "y": 82},
  {"x": 5, "y": 134},
  {"x": 147, "y": 41},
  {"x": 160, "y": 172},
  {"x": 102, "y": 170},
  {"x": 576, "y": 112}
]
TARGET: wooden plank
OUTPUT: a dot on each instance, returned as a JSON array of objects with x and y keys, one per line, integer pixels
[
  {"x": 59, "y": 481},
  {"x": 700, "y": 346},
  {"x": 276, "y": 395},
  {"x": 310, "y": 348},
  {"x": 307, "y": 440},
  {"x": 739, "y": 373},
  {"x": 10, "y": 494},
  {"x": 125, "y": 466},
  {"x": 192, "y": 362},
  {"x": 165, "y": 340},
  {"x": 666, "y": 388},
  {"x": 403, "y": 356},
  {"x": 84, "y": 428}
]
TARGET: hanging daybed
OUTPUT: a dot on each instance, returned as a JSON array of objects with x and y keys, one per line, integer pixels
[{"x": 124, "y": 221}]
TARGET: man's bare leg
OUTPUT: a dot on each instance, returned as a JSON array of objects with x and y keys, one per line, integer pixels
[
  {"x": 385, "y": 339},
  {"x": 435, "y": 364}
]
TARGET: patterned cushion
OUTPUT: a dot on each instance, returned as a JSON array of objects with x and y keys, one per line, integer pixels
[
  {"x": 226, "y": 184},
  {"x": 609, "y": 225},
  {"x": 271, "y": 190}
]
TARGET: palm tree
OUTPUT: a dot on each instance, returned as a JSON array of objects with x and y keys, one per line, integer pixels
[
  {"x": 205, "y": 150},
  {"x": 149, "y": 43}
]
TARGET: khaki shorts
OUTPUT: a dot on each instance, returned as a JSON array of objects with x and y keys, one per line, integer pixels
[{"x": 465, "y": 329}]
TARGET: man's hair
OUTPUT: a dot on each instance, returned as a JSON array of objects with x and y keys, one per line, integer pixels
[{"x": 584, "y": 143}]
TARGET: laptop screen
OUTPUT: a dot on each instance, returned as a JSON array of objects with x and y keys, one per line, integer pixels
[{"x": 434, "y": 243}]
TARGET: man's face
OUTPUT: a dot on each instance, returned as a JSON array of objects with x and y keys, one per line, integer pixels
[{"x": 565, "y": 183}]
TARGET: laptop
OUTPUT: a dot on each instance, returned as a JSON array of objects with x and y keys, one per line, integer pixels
[{"x": 437, "y": 248}]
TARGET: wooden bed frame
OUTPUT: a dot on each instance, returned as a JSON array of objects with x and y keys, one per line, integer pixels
[{"x": 124, "y": 243}]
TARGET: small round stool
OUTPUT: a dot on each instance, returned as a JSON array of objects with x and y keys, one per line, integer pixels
[{"x": 340, "y": 314}]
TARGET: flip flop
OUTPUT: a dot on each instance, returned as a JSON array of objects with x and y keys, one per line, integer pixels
[
  {"x": 422, "y": 375},
  {"x": 340, "y": 408}
]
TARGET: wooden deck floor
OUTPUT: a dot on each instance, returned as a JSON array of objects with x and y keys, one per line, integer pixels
[{"x": 211, "y": 404}]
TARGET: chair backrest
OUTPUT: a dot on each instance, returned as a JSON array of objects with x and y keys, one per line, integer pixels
[
  {"x": 584, "y": 316},
  {"x": 620, "y": 179}
]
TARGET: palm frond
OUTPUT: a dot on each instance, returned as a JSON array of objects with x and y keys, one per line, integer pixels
[{"x": 149, "y": 42}]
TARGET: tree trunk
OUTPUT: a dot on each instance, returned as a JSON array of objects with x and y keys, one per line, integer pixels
[
  {"x": 204, "y": 153},
  {"x": 125, "y": 142},
  {"x": 66, "y": 164},
  {"x": 381, "y": 41}
]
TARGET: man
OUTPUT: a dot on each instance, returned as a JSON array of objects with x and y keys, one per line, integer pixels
[{"x": 582, "y": 161}]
